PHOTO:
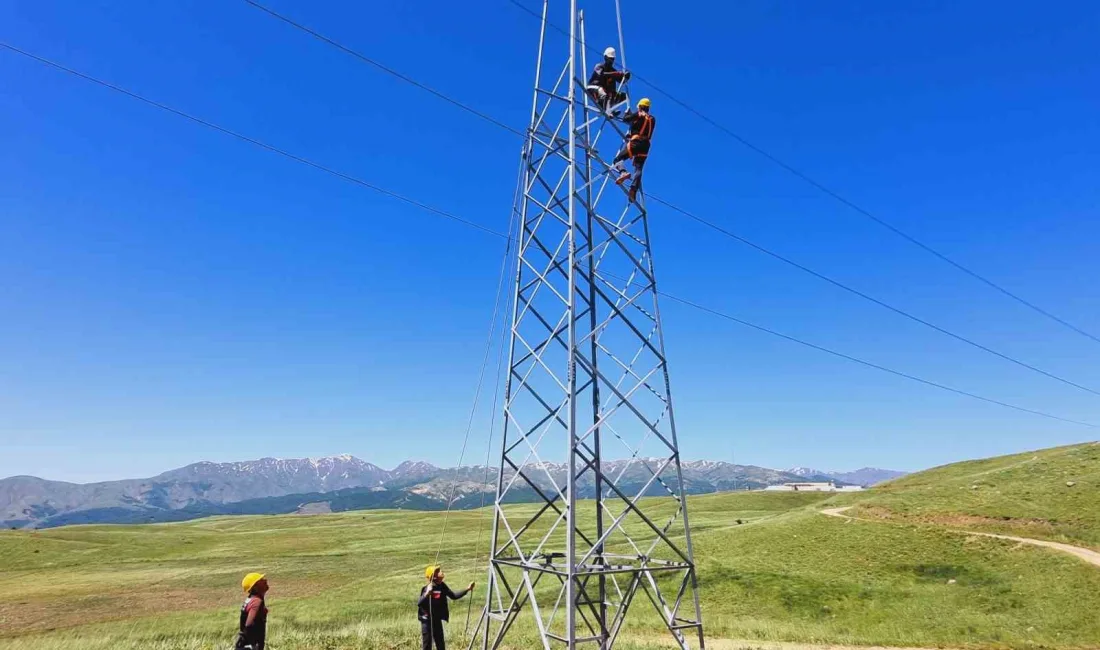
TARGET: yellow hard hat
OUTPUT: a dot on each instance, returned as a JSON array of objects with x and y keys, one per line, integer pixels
[
  {"x": 644, "y": 102},
  {"x": 250, "y": 580},
  {"x": 430, "y": 571}
]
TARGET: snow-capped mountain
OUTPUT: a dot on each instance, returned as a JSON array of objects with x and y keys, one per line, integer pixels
[
  {"x": 268, "y": 477},
  {"x": 272, "y": 485},
  {"x": 26, "y": 499},
  {"x": 866, "y": 476},
  {"x": 814, "y": 475},
  {"x": 411, "y": 470}
]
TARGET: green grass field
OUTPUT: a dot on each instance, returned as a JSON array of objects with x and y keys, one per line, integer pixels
[
  {"x": 349, "y": 581},
  {"x": 1048, "y": 494}
]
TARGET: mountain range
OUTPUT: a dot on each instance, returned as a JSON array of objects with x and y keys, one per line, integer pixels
[
  {"x": 336, "y": 483},
  {"x": 865, "y": 476}
]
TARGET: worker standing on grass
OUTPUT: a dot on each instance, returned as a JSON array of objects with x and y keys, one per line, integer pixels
[
  {"x": 636, "y": 149},
  {"x": 432, "y": 607},
  {"x": 253, "y": 631}
]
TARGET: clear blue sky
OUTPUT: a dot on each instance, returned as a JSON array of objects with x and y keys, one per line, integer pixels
[{"x": 168, "y": 294}]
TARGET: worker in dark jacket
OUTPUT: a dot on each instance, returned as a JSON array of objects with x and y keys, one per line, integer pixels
[
  {"x": 636, "y": 148},
  {"x": 253, "y": 632},
  {"x": 432, "y": 609},
  {"x": 603, "y": 85}
]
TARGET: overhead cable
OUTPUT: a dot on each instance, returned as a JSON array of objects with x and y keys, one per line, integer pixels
[
  {"x": 856, "y": 292},
  {"x": 821, "y": 187},
  {"x": 253, "y": 141},
  {"x": 437, "y": 211}
]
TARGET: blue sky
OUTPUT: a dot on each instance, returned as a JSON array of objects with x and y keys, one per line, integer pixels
[{"x": 170, "y": 294}]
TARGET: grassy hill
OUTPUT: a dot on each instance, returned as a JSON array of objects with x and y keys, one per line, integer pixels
[
  {"x": 1048, "y": 494},
  {"x": 348, "y": 580}
]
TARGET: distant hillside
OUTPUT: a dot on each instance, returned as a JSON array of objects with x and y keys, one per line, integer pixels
[
  {"x": 338, "y": 483},
  {"x": 26, "y": 500},
  {"x": 866, "y": 476},
  {"x": 1050, "y": 493}
]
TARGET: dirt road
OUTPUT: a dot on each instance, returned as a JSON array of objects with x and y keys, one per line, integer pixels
[
  {"x": 736, "y": 644},
  {"x": 1088, "y": 555}
]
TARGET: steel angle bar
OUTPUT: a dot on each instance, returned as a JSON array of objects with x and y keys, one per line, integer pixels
[
  {"x": 628, "y": 370},
  {"x": 669, "y": 617},
  {"x": 549, "y": 476},
  {"x": 635, "y": 458},
  {"x": 642, "y": 268},
  {"x": 558, "y": 520},
  {"x": 680, "y": 596},
  {"x": 641, "y": 417},
  {"x": 618, "y": 520},
  {"x": 629, "y": 539},
  {"x": 626, "y": 398},
  {"x": 531, "y": 453},
  {"x": 616, "y": 229},
  {"x": 548, "y": 500},
  {"x": 630, "y": 324},
  {"x": 627, "y": 599},
  {"x": 617, "y": 312},
  {"x": 553, "y": 333},
  {"x": 630, "y": 502},
  {"x": 668, "y": 525}
]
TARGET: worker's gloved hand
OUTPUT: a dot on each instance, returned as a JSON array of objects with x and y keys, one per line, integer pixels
[
  {"x": 627, "y": 76},
  {"x": 471, "y": 587}
]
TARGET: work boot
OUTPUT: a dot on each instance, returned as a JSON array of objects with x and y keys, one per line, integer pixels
[{"x": 623, "y": 176}]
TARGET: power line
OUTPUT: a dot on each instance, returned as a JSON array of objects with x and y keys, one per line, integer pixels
[
  {"x": 481, "y": 228},
  {"x": 505, "y": 328},
  {"x": 857, "y": 292},
  {"x": 477, "y": 391},
  {"x": 794, "y": 171},
  {"x": 682, "y": 211},
  {"x": 384, "y": 68},
  {"x": 253, "y": 141},
  {"x": 869, "y": 364}
]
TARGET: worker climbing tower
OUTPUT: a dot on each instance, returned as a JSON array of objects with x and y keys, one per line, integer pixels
[{"x": 588, "y": 420}]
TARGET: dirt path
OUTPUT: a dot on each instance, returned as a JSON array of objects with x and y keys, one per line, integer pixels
[
  {"x": 838, "y": 512},
  {"x": 736, "y": 644},
  {"x": 731, "y": 644},
  {"x": 1088, "y": 555}
]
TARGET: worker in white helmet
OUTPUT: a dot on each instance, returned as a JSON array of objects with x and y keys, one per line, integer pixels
[{"x": 603, "y": 85}]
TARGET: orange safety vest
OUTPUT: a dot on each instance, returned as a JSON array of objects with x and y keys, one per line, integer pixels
[{"x": 644, "y": 131}]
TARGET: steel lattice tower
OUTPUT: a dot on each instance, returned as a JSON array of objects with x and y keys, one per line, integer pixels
[{"x": 587, "y": 382}]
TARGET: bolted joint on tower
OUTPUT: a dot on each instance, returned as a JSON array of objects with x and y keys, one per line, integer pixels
[{"x": 589, "y": 432}]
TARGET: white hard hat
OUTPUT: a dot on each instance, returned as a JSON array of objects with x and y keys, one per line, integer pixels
[{"x": 609, "y": 53}]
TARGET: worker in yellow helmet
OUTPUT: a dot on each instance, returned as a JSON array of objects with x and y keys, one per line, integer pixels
[
  {"x": 253, "y": 632},
  {"x": 432, "y": 609},
  {"x": 642, "y": 124}
]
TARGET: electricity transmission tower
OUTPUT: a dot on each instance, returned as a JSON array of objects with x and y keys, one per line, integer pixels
[{"x": 588, "y": 421}]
